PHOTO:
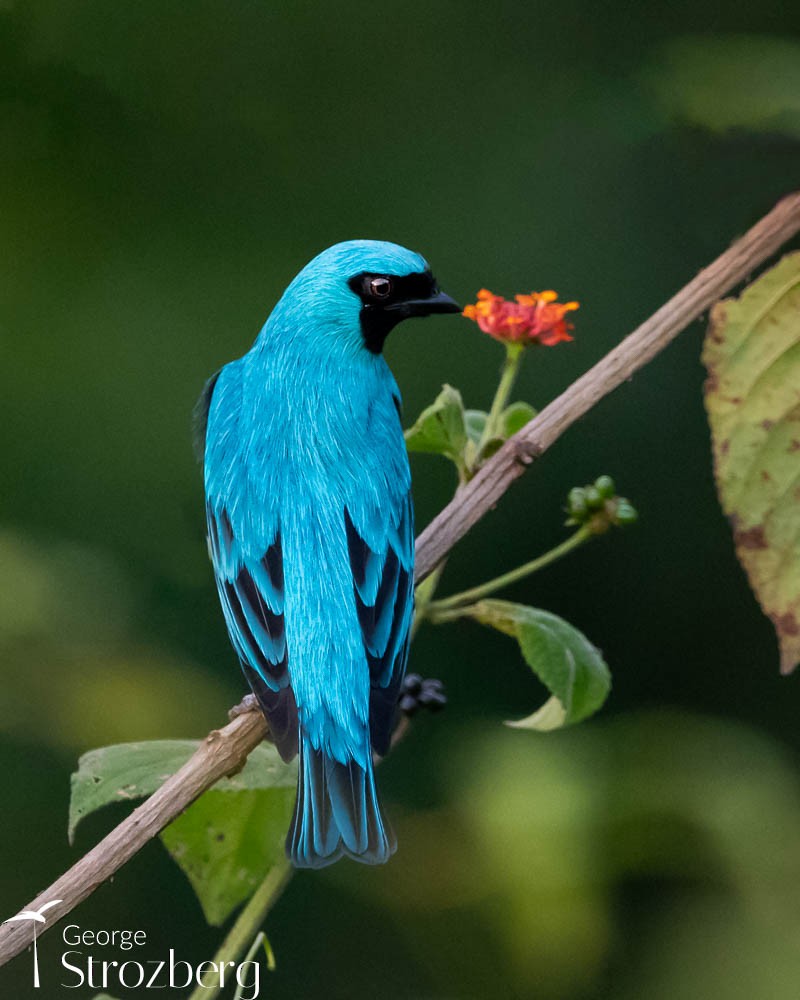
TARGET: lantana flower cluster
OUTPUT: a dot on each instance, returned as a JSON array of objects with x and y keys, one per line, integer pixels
[{"x": 536, "y": 318}]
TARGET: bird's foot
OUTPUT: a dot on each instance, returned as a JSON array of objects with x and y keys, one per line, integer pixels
[{"x": 247, "y": 704}]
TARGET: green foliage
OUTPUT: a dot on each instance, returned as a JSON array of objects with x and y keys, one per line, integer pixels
[
  {"x": 512, "y": 419},
  {"x": 226, "y": 841},
  {"x": 440, "y": 428},
  {"x": 74, "y": 607},
  {"x": 707, "y": 807},
  {"x": 475, "y": 421},
  {"x": 752, "y": 353},
  {"x": 123, "y": 773},
  {"x": 515, "y": 417},
  {"x": 736, "y": 82},
  {"x": 446, "y": 428},
  {"x": 552, "y": 832},
  {"x": 564, "y": 660}
]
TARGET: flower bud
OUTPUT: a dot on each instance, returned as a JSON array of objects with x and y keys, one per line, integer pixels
[
  {"x": 594, "y": 499},
  {"x": 625, "y": 513},
  {"x": 605, "y": 487},
  {"x": 576, "y": 502}
]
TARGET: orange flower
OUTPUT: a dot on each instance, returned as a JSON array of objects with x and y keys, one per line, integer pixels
[{"x": 531, "y": 319}]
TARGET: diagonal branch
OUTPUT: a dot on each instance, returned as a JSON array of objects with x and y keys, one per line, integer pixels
[{"x": 225, "y": 750}]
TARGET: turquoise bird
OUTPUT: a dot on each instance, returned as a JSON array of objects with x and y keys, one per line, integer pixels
[{"x": 311, "y": 531}]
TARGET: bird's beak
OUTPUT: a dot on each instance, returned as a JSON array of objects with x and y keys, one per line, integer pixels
[
  {"x": 438, "y": 303},
  {"x": 441, "y": 303}
]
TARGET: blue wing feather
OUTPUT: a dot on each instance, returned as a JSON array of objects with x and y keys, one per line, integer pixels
[
  {"x": 386, "y": 576},
  {"x": 252, "y": 600},
  {"x": 250, "y": 583}
]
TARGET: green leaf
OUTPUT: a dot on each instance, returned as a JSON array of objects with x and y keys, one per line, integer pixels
[
  {"x": 752, "y": 353},
  {"x": 123, "y": 773},
  {"x": 552, "y": 715},
  {"x": 515, "y": 417},
  {"x": 475, "y": 422},
  {"x": 227, "y": 840},
  {"x": 564, "y": 660},
  {"x": 440, "y": 428},
  {"x": 512, "y": 419}
]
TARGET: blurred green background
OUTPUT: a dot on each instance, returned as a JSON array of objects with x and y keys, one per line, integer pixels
[{"x": 165, "y": 169}]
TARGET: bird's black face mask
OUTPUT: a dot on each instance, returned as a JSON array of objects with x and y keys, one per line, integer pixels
[{"x": 386, "y": 299}]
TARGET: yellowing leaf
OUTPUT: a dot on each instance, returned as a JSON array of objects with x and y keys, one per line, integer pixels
[{"x": 752, "y": 353}]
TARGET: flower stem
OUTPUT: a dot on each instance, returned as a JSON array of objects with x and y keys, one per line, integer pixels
[
  {"x": 437, "y": 610},
  {"x": 508, "y": 376},
  {"x": 423, "y": 597},
  {"x": 245, "y": 928},
  {"x": 259, "y": 940}
]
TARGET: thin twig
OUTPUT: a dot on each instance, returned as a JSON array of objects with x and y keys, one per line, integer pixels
[
  {"x": 225, "y": 750},
  {"x": 244, "y": 928},
  {"x": 575, "y": 540}
]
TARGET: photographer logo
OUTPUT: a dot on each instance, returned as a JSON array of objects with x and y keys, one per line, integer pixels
[
  {"x": 84, "y": 962},
  {"x": 37, "y": 917}
]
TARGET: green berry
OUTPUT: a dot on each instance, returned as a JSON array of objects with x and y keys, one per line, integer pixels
[
  {"x": 625, "y": 513},
  {"x": 576, "y": 502},
  {"x": 605, "y": 487},
  {"x": 594, "y": 499}
]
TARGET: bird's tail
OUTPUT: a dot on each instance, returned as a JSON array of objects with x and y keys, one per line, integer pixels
[{"x": 336, "y": 813}]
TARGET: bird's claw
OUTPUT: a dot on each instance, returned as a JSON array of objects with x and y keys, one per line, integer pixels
[{"x": 247, "y": 704}]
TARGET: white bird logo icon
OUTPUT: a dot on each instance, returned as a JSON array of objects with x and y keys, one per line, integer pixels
[{"x": 38, "y": 918}]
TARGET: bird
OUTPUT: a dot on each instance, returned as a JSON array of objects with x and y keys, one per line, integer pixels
[{"x": 311, "y": 531}]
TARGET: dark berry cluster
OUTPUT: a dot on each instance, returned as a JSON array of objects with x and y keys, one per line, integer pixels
[{"x": 418, "y": 692}]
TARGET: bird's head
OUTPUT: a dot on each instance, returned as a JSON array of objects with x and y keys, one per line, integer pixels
[{"x": 358, "y": 291}]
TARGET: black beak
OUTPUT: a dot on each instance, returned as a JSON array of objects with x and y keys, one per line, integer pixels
[{"x": 440, "y": 302}]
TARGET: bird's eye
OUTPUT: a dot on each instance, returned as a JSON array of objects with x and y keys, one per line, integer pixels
[{"x": 380, "y": 288}]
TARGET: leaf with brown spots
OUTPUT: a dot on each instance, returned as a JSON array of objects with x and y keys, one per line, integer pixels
[{"x": 752, "y": 394}]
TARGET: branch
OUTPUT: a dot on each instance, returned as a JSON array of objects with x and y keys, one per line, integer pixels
[{"x": 225, "y": 750}]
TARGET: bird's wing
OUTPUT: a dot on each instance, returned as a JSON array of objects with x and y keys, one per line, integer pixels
[
  {"x": 249, "y": 577},
  {"x": 383, "y": 583},
  {"x": 252, "y": 595}
]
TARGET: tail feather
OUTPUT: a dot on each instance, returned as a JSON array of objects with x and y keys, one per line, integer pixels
[{"x": 336, "y": 813}]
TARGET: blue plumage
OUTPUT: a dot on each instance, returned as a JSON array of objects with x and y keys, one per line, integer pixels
[{"x": 311, "y": 531}]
